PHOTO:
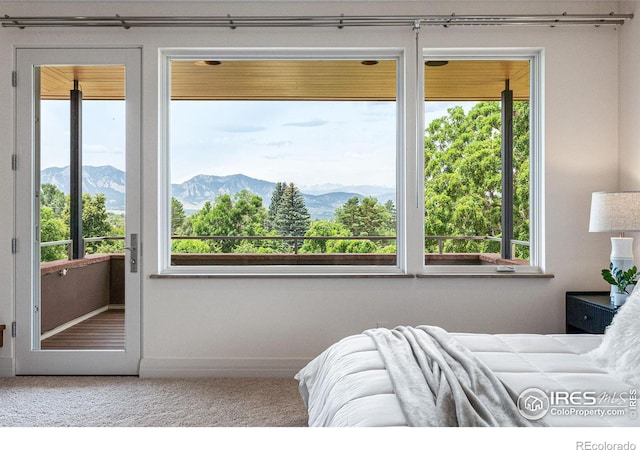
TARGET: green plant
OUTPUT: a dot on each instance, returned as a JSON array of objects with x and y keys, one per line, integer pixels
[{"x": 616, "y": 277}]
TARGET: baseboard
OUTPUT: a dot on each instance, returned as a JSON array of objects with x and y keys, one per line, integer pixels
[
  {"x": 220, "y": 367},
  {"x": 6, "y": 367}
]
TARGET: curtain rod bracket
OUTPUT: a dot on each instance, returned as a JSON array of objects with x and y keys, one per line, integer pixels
[
  {"x": 15, "y": 22},
  {"x": 232, "y": 26},
  {"x": 122, "y": 21}
]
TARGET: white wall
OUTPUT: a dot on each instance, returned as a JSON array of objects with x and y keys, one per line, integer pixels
[
  {"x": 630, "y": 112},
  {"x": 249, "y": 326}
]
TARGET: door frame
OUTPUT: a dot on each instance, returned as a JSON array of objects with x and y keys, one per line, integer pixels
[{"x": 30, "y": 361}]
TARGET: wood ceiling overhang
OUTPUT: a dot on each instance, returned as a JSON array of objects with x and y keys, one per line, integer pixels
[{"x": 459, "y": 80}]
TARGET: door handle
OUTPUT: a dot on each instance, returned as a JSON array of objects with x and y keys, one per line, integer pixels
[{"x": 133, "y": 248}]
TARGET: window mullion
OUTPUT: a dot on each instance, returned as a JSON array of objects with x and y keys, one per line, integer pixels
[{"x": 413, "y": 168}]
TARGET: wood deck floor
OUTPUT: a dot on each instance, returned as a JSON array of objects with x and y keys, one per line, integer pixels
[{"x": 104, "y": 331}]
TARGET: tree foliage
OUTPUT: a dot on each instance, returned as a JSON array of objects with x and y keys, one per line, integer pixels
[
  {"x": 323, "y": 228},
  {"x": 276, "y": 198},
  {"x": 55, "y": 213},
  {"x": 366, "y": 217},
  {"x": 177, "y": 215},
  {"x": 463, "y": 173},
  {"x": 53, "y": 198},
  {"x": 242, "y": 215},
  {"x": 291, "y": 215},
  {"x": 288, "y": 214},
  {"x": 52, "y": 229}
]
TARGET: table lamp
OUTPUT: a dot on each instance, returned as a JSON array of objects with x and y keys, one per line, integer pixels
[{"x": 617, "y": 212}]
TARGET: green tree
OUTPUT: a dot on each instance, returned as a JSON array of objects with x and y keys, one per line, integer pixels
[
  {"x": 391, "y": 209},
  {"x": 463, "y": 172},
  {"x": 364, "y": 218},
  {"x": 243, "y": 215},
  {"x": 177, "y": 215},
  {"x": 322, "y": 228},
  {"x": 52, "y": 229},
  {"x": 95, "y": 222},
  {"x": 190, "y": 246},
  {"x": 53, "y": 198},
  {"x": 292, "y": 217},
  {"x": 352, "y": 246},
  {"x": 276, "y": 197}
]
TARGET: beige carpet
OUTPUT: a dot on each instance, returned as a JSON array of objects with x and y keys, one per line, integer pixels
[{"x": 134, "y": 402}]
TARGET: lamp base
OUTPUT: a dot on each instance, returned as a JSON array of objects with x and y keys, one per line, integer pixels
[{"x": 621, "y": 258}]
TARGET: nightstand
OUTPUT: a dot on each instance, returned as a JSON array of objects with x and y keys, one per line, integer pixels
[{"x": 588, "y": 312}]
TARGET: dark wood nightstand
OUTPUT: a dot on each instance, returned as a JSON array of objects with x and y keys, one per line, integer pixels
[{"x": 588, "y": 312}]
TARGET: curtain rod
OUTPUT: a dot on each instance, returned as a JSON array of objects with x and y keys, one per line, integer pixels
[{"x": 339, "y": 22}]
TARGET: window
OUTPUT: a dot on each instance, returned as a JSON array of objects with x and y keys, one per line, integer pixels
[
  {"x": 279, "y": 162},
  {"x": 480, "y": 141},
  {"x": 81, "y": 136},
  {"x": 282, "y": 161}
]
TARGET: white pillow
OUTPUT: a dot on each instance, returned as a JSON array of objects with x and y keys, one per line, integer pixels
[{"x": 619, "y": 351}]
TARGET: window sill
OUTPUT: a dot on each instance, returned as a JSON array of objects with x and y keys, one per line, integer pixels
[
  {"x": 178, "y": 276},
  {"x": 485, "y": 275}
]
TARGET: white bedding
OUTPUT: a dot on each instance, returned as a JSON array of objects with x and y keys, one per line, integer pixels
[{"x": 347, "y": 385}]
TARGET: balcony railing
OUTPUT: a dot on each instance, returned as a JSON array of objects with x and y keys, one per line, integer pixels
[{"x": 296, "y": 243}]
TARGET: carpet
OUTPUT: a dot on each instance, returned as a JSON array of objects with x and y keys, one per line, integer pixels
[{"x": 133, "y": 402}]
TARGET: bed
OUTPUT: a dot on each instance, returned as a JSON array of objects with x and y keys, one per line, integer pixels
[{"x": 425, "y": 376}]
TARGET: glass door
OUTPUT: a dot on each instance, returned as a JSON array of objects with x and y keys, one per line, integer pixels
[{"x": 78, "y": 211}]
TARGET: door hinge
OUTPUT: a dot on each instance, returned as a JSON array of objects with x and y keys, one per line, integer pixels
[
  {"x": 14, "y": 78},
  {"x": 14, "y": 246},
  {"x": 13, "y": 329},
  {"x": 14, "y": 162}
]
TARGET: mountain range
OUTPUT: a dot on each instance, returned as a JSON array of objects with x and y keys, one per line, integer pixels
[{"x": 321, "y": 200}]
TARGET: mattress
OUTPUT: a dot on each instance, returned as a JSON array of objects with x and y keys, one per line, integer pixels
[{"x": 347, "y": 385}]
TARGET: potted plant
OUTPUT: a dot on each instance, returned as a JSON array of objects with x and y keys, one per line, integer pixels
[{"x": 621, "y": 280}]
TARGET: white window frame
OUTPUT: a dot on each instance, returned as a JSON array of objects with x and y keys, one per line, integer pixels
[
  {"x": 536, "y": 175},
  {"x": 167, "y": 55}
]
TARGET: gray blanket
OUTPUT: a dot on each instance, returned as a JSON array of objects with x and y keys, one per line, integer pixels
[{"x": 441, "y": 383}]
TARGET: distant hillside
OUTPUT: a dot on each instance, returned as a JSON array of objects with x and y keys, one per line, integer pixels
[
  {"x": 194, "y": 192},
  {"x": 105, "y": 180}
]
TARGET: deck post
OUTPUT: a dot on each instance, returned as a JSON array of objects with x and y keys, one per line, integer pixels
[
  {"x": 76, "y": 173},
  {"x": 507, "y": 171}
]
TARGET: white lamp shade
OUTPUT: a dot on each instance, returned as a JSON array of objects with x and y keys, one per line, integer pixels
[{"x": 615, "y": 211}]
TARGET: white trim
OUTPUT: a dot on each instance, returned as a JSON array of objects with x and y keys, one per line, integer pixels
[
  {"x": 221, "y": 367},
  {"x": 166, "y": 55},
  {"x": 76, "y": 321}
]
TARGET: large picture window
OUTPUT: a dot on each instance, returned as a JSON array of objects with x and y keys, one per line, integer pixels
[
  {"x": 290, "y": 163},
  {"x": 282, "y": 162}
]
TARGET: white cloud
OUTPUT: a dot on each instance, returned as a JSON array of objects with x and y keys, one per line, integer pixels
[{"x": 308, "y": 123}]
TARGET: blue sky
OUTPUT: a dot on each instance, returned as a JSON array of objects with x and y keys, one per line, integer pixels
[{"x": 309, "y": 143}]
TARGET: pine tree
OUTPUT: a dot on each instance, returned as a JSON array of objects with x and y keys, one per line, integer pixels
[
  {"x": 270, "y": 222},
  {"x": 292, "y": 217},
  {"x": 177, "y": 215}
]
